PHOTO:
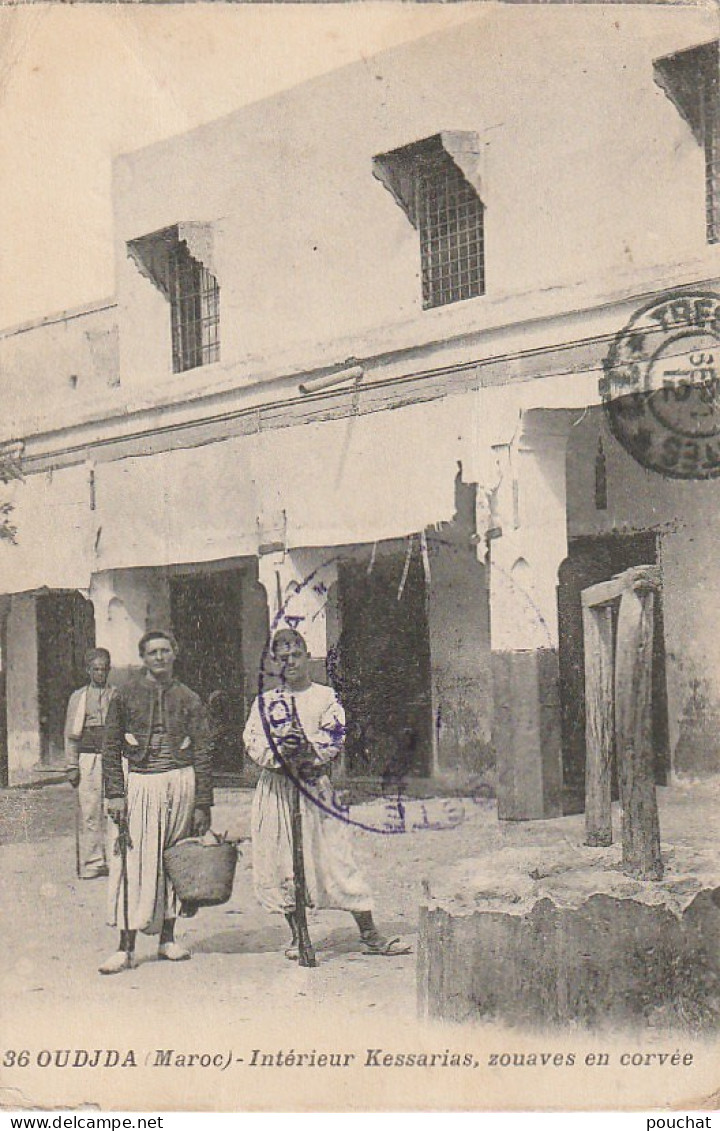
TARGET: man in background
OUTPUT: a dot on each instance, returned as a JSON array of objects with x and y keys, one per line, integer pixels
[{"x": 84, "y": 734}]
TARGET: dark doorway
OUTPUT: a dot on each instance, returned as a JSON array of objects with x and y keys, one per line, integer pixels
[
  {"x": 65, "y": 630},
  {"x": 590, "y": 560},
  {"x": 207, "y": 614},
  {"x": 382, "y": 668}
]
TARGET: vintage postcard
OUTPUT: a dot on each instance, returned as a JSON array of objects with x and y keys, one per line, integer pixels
[{"x": 360, "y": 557}]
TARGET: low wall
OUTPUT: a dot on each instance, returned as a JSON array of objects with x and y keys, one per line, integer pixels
[{"x": 535, "y": 938}]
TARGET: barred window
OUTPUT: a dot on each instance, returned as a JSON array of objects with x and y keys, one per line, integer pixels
[
  {"x": 178, "y": 261},
  {"x": 691, "y": 80},
  {"x": 436, "y": 182},
  {"x": 450, "y": 222},
  {"x": 711, "y": 136},
  {"x": 194, "y": 311}
]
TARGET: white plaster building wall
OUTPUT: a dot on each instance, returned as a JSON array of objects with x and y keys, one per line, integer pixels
[
  {"x": 637, "y": 499},
  {"x": 687, "y": 516},
  {"x": 23, "y": 723},
  {"x": 591, "y": 180},
  {"x": 530, "y": 508},
  {"x": 254, "y": 628},
  {"x": 692, "y": 633},
  {"x": 53, "y": 520},
  {"x": 302, "y": 579},
  {"x": 67, "y": 358},
  {"x": 145, "y": 341}
]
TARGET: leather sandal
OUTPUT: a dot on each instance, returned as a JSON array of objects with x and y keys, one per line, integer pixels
[{"x": 387, "y": 948}]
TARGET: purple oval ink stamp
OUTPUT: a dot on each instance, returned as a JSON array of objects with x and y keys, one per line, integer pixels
[
  {"x": 661, "y": 386},
  {"x": 383, "y": 805}
]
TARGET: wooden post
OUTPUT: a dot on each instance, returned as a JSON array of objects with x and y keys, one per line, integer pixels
[
  {"x": 633, "y": 730},
  {"x": 597, "y": 632},
  {"x": 635, "y": 589}
]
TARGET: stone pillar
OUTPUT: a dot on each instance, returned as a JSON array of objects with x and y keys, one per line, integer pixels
[
  {"x": 525, "y": 557},
  {"x": 23, "y": 708},
  {"x": 298, "y": 584},
  {"x": 254, "y": 627},
  {"x": 459, "y": 636},
  {"x": 127, "y": 603}
]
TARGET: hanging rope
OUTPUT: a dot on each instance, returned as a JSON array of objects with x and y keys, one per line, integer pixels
[
  {"x": 425, "y": 557},
  {"x": 373, "y": 555},
  {"x": 406, "y": 568}
]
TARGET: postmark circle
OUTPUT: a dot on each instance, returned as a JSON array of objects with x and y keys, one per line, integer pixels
[{"x": 661, "y": 385}]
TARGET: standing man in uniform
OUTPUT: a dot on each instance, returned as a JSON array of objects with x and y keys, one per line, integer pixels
[
  {"x": 295, "y": 731},
  {"x": 158, "y": 726},
  {"x": 84, "y": 733}
]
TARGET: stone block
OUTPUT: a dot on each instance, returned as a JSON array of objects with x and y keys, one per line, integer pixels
[{"x": 535, "y": 937}]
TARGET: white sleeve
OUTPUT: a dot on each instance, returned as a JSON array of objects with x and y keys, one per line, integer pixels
[
  {"x": 330, "y": 737},
  {"x": 256, "y": 742}
]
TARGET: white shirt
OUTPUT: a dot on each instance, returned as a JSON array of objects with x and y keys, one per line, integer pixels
[{"x": 318, "y": 711}]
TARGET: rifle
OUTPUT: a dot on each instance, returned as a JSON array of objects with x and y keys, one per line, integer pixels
[
  {"x": 297, "y": 741},
  {"x": 122, "y": 844},
  {"x": 305, "y": 946}
]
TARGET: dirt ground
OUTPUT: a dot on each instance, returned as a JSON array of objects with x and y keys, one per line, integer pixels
[
  {"x": 54, "y": 933},
  {"x": 53, "y": 923}
]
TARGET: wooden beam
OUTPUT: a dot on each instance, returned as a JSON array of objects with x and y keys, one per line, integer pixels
[
  {"x": 644, "y": 576},
  {"x": 598, "y": 638}
]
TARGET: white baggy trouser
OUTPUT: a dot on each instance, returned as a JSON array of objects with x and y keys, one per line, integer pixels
[
  {"x": 160, "y": 813},
  {"x": 91, "y": 822},
  {"x": 333, "y": 878}
]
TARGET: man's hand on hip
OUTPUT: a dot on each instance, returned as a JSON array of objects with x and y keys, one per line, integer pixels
[
  {"x": 73, "y": 776},
  {"x": 201, "y": 822}
]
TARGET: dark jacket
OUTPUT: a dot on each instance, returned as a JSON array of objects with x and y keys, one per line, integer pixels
[{"x": 128, "y": 728}]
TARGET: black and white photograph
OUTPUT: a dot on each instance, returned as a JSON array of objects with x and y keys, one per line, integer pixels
[{"x": 360, "y": 557}]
